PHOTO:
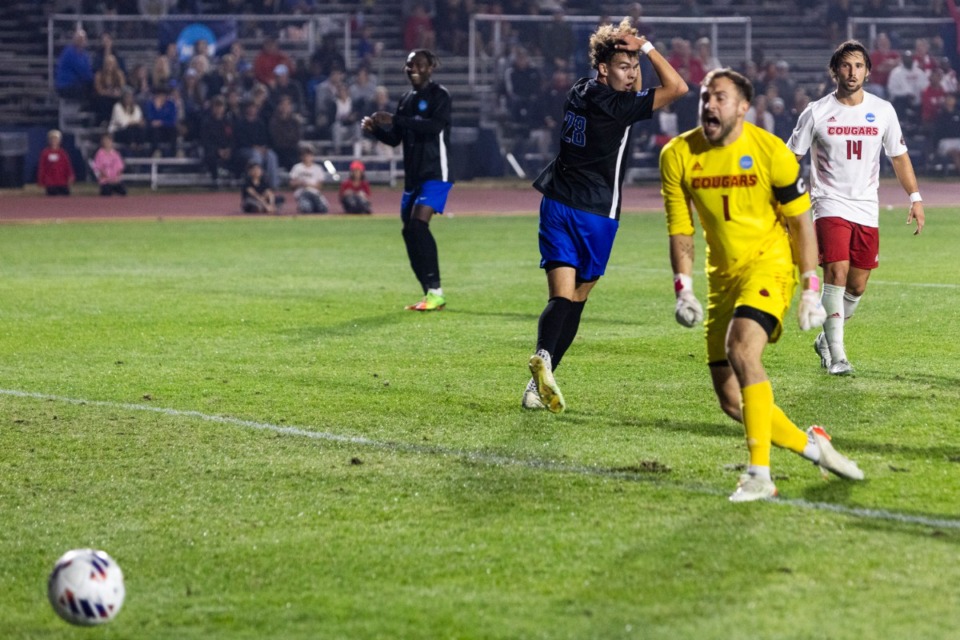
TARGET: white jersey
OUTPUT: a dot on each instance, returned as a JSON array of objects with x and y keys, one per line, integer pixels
[
  {"x": 844, "y": 143},
  {"x": 312, "y": 177}
]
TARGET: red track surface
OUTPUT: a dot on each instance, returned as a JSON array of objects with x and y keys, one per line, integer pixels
[{"x": 465, "y": 199}]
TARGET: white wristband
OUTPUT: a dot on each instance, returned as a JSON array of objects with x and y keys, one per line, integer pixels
[
  {"x": 915, "y": 197},
  {"x": 681, "y": 282},
  {"x": 647, "y": 48}
]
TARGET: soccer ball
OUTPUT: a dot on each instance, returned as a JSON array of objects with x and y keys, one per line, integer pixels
[{"x": 86, "y": 587}]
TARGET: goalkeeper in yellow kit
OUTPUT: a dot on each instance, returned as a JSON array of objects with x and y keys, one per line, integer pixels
[{"x": 751, "y": 201}]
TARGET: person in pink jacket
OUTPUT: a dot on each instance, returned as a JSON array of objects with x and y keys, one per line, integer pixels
[{"x": 107, "y": 165}]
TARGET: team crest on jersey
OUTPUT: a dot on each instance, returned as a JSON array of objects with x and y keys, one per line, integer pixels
[
  {"x": 422, "y": 105},
  {"x": 746, "y": 162},
  {"x": 871, "y": 117}
]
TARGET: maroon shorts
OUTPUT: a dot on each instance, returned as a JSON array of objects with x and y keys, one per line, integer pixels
[{"x": 841, "y": 240}]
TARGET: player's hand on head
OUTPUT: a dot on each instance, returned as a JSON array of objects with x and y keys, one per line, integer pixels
[
  {"x": 688, "y": 311},
  {"x": 811, "y": 313}
]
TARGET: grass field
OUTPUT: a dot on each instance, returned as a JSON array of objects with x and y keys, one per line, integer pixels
[{"x": 243, "y": 415}]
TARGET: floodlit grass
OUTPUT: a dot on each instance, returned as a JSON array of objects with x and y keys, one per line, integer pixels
[{"x": 242, "y": 414}]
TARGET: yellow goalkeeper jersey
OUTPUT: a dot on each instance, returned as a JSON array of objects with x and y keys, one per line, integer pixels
[{"x": 740, "y": 192}]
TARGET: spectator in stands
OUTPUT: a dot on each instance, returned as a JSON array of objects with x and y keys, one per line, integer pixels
[
  {"x": 106, "y": 49},
  {"x": 256, "y": 196},
  {"x": 355, "y": 190},
  {"x": 234, "y": 99},
  {"x": 346, "y": 119},
  {"x": 367, "y": 47},
  {"x": 883, "y": 59},
  {"x": 285, "y": 86},
  {"x": 286, "y": 132},
  {"x": 127, "y": 124},
  {"x": 107, "y": 165},
  {"x": 635, "y": 13},
  {"x": 949, "y": 79},
  {"x": 452, "y": 22},
  {"x": 244, "y": 67},
  {"x": 162, "y": 119},
  {"x": 223, "y": 75},
  {"x": 905, "y": 86},
  {"x": 946, "y": 130},
  {"x": 681, "y": 57},
  {"x": 73, "y": 78},
  {"x": 216, "y": 140},
  {"x": 193, "y": 100},
  {"x": 253, "y": 143},
  {"x": 782, "y": 120},
  {"x": 522, "y": 82},
  {"x": 759, "y": 115},
  {"x": 704, "y": 53},
  {"x": 835, "y": 19},
  {"x": 328, "y": 57},
  {"x": 260, "y": 95},
  {"x": 54, "y": 170},
  {"x": 782, "y": 80},
  {"x": 200, "y": 60},
  {"x": 306, "y": 178},
  {"x": 139, "y": 82},
  {"x": 922, "y": 57},
  {"x": 326, "y": 107},
  {"x": 161, "y": 74},
  {"x": 108, "y": 84},
  {"x": 363, "y": 89},
  {"x": 932, "y": 99},
  {"x": 547, "y": 116},
  {"x": 557, "y": 43},
  {"x": 267, "y": 60},
  {"x": 418, "y": 31},
  {"x": 372, "y": 146},
  {"x": 155, "y": 7},
  {"x": 174, "y": 67}
]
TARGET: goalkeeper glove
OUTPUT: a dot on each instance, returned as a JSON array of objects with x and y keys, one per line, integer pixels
[
  {"x": 811, "y": 313},
  {"x": 688, "y": 311}
]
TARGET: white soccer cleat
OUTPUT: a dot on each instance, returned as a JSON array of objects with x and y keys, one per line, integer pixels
[
  {"x": 531, "y": 397},
  {"x": 823, "y": 350},
  {"x": 751, "y": 488},
  {"x": 547, "y": 387},
  {"x": 840, "y": 368},
  {"x": 832, "y": 460}
]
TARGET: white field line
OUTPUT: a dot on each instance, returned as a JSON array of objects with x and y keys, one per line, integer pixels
[
  {"x": 491, "y": 459},
  {"x": 929, "y": 285}
]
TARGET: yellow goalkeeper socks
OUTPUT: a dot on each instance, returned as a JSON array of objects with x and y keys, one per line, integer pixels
[{"x": 757, "y": 411}]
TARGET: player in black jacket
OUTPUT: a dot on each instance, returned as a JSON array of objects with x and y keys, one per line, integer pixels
[
  {"x": 582, "y": 189},
  {"x": 422, "y": 123}
]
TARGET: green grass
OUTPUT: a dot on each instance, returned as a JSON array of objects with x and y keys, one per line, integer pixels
[{"x": 409, "y": 496}]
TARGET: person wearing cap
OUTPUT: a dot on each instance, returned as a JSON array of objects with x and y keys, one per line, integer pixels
[
  {"x": 355, "y": 190},
  {"x": 285, "y": 85},
  {"x": 54, "y": 170},
  {"x": 421, "y": 123},
  {"x": 306, "y": 178}
]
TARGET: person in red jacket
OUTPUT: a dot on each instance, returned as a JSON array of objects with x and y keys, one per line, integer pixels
[
  {"x": 355, "y": 190},
  {"x": 55, "y": 172}
]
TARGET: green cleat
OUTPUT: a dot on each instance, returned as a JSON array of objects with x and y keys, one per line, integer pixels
[{"x": 430, "y": 302}]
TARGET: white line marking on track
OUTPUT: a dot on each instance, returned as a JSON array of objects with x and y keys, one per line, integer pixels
[{"x": 491, "y": 459}]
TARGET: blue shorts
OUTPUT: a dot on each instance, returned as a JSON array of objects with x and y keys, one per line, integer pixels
[
  {"x": 575, "y": 238},
  {"x": 432, "y": 193}
]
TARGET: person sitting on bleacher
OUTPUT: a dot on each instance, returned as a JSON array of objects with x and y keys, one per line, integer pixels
[
  {"x": 108, "y": 84},
  {"x": 267, "y": 60},
  {"x": 285, "y": 85},
  {"x": 286, "y": 131},
  {"x": 253, "y": 143},
  {"x": 73, "y": 78},
  {"x": 216, "y": 140},
  {"x": 127, "y": 124},
  {"x": 193, "y": 97},
  {"x": 161, "y": 116},
  {"x": 106, "y": 49},
  {"x": 326, "y": 102}
]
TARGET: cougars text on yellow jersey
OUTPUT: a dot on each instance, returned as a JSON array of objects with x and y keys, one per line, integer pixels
[{"x": 740, "y": 192}]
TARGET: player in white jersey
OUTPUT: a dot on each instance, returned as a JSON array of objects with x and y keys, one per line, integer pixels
[{"x": 845, "y": 132}]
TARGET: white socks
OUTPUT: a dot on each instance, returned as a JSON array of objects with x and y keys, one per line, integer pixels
[{"x": 832, "y": 300}]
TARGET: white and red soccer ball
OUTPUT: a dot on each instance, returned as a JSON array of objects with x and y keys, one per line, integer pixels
[{"x": 86, "y": 587}]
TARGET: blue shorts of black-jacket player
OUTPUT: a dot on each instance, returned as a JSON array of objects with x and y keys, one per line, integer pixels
[
  {"x": 432, "y": 193},
  {"x": 575, "y": 238}
]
